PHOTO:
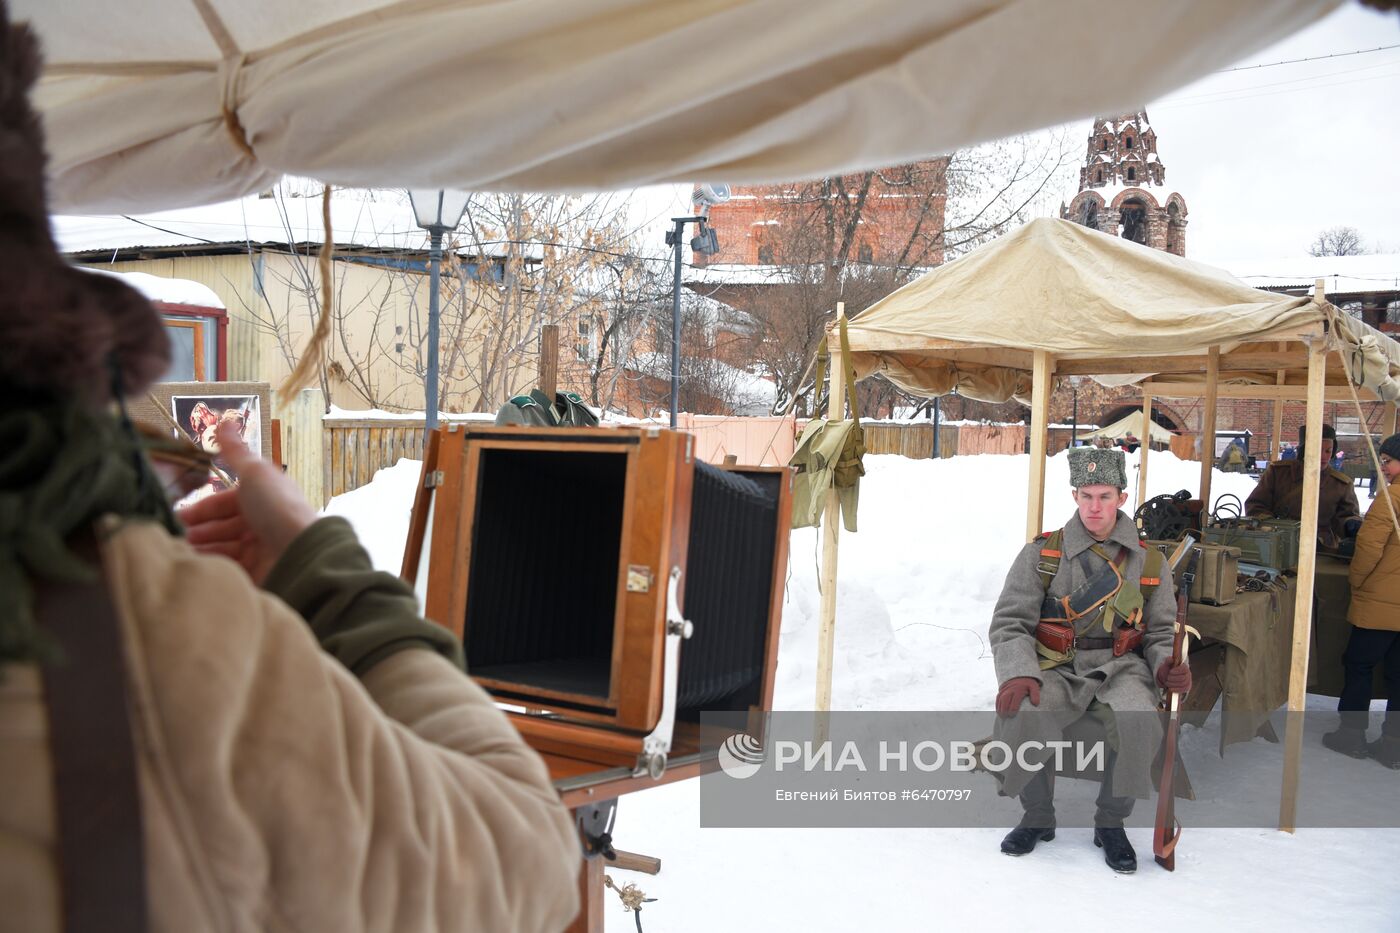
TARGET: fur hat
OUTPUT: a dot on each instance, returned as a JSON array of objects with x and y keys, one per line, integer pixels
[
  {"x": 63, "y": 331},
  {"x": 1092, "y": 466}
]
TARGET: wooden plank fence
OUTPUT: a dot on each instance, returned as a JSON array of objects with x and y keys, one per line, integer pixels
[
  {"x": 910, "y": 440},
  {"x": 354, "y": 449}
]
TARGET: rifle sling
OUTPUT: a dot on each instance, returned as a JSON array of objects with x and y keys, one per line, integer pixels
[{"x": 101, "y": 849}]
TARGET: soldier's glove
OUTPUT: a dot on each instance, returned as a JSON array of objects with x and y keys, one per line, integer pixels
[
  {"x": 1014, "y": 691},
  {"x": 1174, "y": 679},
  {"x": 1352, "y": 527}
]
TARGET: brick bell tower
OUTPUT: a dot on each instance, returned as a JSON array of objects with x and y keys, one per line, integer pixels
[{"x": 1123, "y": 189}]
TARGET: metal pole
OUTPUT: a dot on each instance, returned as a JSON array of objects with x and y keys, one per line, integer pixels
[
  {"x": 936, "y": 415},
  {"x": 676, "y": 324},
  {"x": 1074, "y": 413},
  {"x": 430, "y": 380}
]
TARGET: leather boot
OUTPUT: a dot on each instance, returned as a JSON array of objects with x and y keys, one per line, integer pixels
[
  {"x": 1022, "y": 839},
  {"x": 1118, "y": 852},
  {"x": 1386, "y": 750},
  {"x": 1348, "y": 740}
]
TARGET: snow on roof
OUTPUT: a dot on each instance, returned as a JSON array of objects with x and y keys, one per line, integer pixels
[
  {"x": 378, "y": 219},
  {"x": 170, "y": 291},
  {"x": 1375, "y": 272},
  {"x": 740, "y": 274}
]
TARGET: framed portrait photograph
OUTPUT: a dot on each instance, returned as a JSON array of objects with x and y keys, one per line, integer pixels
[{"x": 195, "y": 410}]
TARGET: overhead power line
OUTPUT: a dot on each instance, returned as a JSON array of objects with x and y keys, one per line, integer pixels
[{"x": 1311, "y": 58}]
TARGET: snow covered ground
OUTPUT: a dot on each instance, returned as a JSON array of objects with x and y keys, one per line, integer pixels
[{"x": 917, "y": 586}]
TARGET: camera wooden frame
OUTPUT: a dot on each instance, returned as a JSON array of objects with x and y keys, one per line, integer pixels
[{"x": 588, "y": 738}]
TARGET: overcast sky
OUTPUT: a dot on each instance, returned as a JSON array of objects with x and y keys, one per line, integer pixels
[{"x": 1265, "y": 157}]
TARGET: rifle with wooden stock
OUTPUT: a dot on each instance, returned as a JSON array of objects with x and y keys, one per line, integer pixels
[{"x": 1166, "y": 832}]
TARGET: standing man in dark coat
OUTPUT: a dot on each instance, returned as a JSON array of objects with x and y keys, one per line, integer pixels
[
  {"x": 1098, "y": 552},
  {"x": 1280, "y": 494}
]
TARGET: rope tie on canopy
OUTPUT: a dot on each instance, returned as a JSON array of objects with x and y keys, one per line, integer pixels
[
  {"x": 1330, "y": 311},
  {"x": 230, "y": 68}
]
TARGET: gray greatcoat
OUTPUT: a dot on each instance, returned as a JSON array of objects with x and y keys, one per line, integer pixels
[{"x": 1125, "y": 683}]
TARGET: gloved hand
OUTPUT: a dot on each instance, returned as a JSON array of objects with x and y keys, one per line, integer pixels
[
  {"x": 1174, "y": 679},
  {"x": 1014, "y": 691},
  {"x": 1351, "y": 528}
]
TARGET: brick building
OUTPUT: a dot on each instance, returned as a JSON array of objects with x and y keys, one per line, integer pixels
[{"x": 897, "y": 216}]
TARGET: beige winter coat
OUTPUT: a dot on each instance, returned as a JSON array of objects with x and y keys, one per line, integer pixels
[
  {"x": 1375, "y": 568},
  {"x": 281, "y": 793}
]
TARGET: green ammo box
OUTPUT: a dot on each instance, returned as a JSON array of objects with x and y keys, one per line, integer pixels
[
  {"x": 1291, "y": 528},
  {"x": 1268, "y": 545}
]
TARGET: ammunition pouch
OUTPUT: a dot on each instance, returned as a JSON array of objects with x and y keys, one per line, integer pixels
[{"x": 1061, "y": 639}]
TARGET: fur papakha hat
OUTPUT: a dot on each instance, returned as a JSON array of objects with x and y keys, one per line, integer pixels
[
  {"x": 63, "y": 331},
  {"x": 1093, "y": 466}
]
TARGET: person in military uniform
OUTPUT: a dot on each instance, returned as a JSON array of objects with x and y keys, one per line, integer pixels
[
  {"x": 537, "y": 410},
  {"x": 1084, "y": 626},
  {"x": 1280, "y": 494}
]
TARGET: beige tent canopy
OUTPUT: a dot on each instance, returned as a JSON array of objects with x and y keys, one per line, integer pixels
[
  {"x": 1130, "y": 424},
  {"x": 1055, "y": 298},
  {"x": 153, "y": 104},
  {"x": 1101, "y": 306}
]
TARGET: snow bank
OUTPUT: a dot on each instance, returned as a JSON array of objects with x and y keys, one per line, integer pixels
[{"x": 916, "y": 588}]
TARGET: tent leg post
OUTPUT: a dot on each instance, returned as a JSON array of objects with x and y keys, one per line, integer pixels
[
  {"x": 1208, "y": 425},
  {"x": 1307, "y": 565},
  {"x": 1276, "y": 441},
  {"x": 1040, "y": 410},
  {"x": 1146, "y": 445},
  {"x": 831, "y": 536}
]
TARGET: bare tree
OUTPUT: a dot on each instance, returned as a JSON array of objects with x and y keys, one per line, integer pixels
[
  {"x": 856, "y": 238},
  {"x": 1338, "y": 241}
]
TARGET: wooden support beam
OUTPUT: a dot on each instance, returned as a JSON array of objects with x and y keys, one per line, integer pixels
[
  {"x": 1043, "y": 369},
  {"x": 1231, "y": 362},
  {"x": 1264, "y": 392},
  {"x": 1208, "y": 424},
  {"x": 1146, "y": 446},
  {"x": 831, "y": 527},
  {"x": 1276, "y": 439},
  {"x": 1302, "y": 611},
  {"x": 549, "y": 360}
]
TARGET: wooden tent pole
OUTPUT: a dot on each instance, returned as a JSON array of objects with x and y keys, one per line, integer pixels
[
  {"x": 1146, "y": 445},
  {"x": 1208, "y": 424},
  {"x": 1311, "y": 455},
  {"x": 1276, "y": 439},
  {"x": 831, "y": 523},
  {"x": 1040, "y": 411}
]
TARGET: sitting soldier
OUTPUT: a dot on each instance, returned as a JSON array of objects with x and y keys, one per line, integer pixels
[{"x": 1084, "y": 619}]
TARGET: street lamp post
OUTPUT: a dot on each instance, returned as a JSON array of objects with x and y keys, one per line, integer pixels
[
  {"x": 706, "y": 243},
  {"x": 437, "y": 212}
]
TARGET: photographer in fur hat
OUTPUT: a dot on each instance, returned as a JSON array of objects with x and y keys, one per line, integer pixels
[
  {"x": 1084, "y": 627},
  {"x": 250, "y": 723}
]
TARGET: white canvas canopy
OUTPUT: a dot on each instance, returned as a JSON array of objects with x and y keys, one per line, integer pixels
[
  {"x": 151, "y": 104},
  {"x": 1130, "y": 424}
]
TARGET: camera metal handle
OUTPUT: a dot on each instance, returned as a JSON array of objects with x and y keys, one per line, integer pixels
[{"x": 657, "y": 744}]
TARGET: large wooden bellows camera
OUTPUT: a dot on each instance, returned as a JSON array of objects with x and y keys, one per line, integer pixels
[{"x": 606, "y": 586}]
